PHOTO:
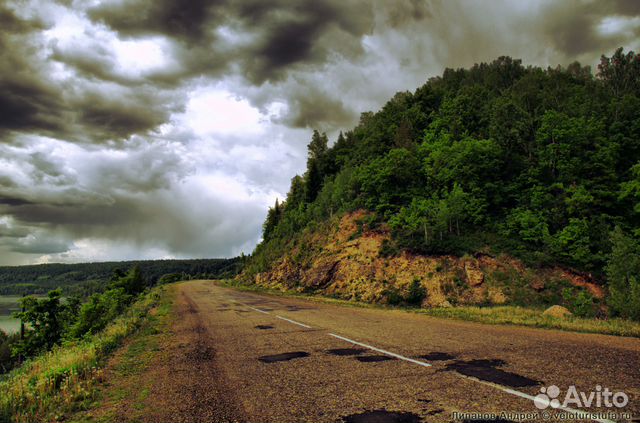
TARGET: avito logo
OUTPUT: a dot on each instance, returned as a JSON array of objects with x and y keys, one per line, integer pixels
[{"x": 550, "y": 397}]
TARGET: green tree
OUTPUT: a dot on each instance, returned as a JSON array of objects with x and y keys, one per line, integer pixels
[
  {"x": 132, "y": 282},
  {"x": 623, "y": 275},
  {"x": 273, "y": 218},
  {"x": 44, "y": 318},
  {"x": 98, "y": 311}
]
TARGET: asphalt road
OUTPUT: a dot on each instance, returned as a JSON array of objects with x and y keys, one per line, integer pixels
[{"x": 282, "y": 359}]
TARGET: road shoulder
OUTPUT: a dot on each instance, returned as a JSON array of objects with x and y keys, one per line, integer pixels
[{"x": 164, "y": 372}]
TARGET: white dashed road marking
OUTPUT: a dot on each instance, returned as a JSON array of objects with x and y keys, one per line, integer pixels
[
  {"x": 389, "y": 353},
  {"x": 578, "y": 413},
  {"x": 294, "y": 322}
]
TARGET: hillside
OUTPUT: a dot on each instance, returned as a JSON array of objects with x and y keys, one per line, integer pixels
[
  {"x": 516, "y": 175},
  {"x": 85, "y": 278}
]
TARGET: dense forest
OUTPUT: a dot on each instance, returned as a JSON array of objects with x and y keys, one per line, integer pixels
[
  {"x": 540, "y": 164},
  {"x": 87, "y": 278}
]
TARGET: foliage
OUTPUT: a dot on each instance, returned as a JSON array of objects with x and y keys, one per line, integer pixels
[
  {"x": 98, "y": 311},
  {"x": 46, "y": 319},
  {"x": 131, "y": 283},
  {"x": 543, "y": 164},
  {"x": 416, "y": 293},
  {"x": 51, "y": 383},
  {"x": 581, "y": 304},
  {"x": 623, "y": 273},
  {"x": 50, "y": 321}
]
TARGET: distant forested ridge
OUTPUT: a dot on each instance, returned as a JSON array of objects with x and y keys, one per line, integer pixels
[
  {"x": 87, "y": 278},
  {"x": 543, "y": 164}
]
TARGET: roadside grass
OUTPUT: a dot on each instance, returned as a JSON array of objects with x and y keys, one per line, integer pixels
[
  {"x": 64, "y": 380},
  {"x": 124, "y": 370},
  {"x": 495, "y": 315},
  {"x": 513, "y": 315}
]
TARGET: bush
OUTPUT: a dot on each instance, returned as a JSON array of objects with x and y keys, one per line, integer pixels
[
  {"x": 416, "y": 293},
  {"x": 581, "y": 304},
  {"x": 96, "y": 313}
]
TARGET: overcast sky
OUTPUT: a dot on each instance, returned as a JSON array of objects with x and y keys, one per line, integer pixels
[{"x": 136, "y": 129}]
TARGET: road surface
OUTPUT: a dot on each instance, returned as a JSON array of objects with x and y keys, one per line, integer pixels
[{"x": 262, "y": 358}]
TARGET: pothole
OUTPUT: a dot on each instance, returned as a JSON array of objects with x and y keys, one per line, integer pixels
[
  {"x": 346, "y": 351},
  {"x": 438, "y": 356},
  {"x": 486, "y": 370},
  {"x": 264, "y": 327},
  {"x": 382, "y": 416},
  {"x": 374, "y": 358},
  {"x": 283, "y": 356}
]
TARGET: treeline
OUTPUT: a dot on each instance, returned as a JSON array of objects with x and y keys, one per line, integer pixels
[
  {"x": 541, "y": 164},
  {"x": 50, "y": 321},
  {"x": 87, "y": 278}
]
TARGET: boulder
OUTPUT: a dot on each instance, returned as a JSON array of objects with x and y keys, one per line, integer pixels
[{"x": 557, "y": 311}]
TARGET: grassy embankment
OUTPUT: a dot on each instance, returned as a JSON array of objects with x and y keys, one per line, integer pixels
[
  {"x": 64, "y": 380},
  {"x": 511, "y": 315}
]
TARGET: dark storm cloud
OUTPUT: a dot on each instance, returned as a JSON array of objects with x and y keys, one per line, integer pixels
[
  {"x": 285, "y": 33},
  {"x": 405, "y": 11},
  {"x": 310, "y": 107},
  {"x": 29, "y": 245},
  {"x": 12, "y": 201},
  {"x": 27, "y": 98},
  {"x": 27, "y": 102},
  {"x": 180, "y": 19},
  {"x": 301, "y": 33},
  {"x": 572, "y": 26},
  {"x": 8, "y": 231},
  {"x": 10, "y": 23},
  {"x": 33, "y": 100},
  {"x": 119, "y": 117}
]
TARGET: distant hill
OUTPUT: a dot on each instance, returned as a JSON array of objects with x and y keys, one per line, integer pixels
[
  {"x": 85, "y": 278},
  {"x": 542, "y": 165}
]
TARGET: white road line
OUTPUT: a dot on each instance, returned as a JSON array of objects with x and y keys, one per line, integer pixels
[
  {"x": 401, "y": 357},
  {"x": 294, "y": 322},
  {"x": 547, "y": 402},
  {"x": 578, "y": 413},
  {"x": 500, "y": 387}
]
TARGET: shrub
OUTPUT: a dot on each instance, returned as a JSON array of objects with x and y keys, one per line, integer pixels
[
  {"x": 581, "y": 304},
  {"x": 96, "y": 313},
  {"x": 416, "y": 293}
]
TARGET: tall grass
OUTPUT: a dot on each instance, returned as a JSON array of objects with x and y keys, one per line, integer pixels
[
  {"x": 46, "y": 387},
  {"x": 514, "y": 315}
]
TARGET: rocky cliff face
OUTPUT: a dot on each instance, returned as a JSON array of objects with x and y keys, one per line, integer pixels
[{"x": 343, "y": 259}]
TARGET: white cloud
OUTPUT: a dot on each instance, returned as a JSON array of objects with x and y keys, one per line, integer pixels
[{"x": 215, "y": 111}]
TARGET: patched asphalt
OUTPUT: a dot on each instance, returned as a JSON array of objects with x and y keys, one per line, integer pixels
[{"x": 290, "y": 373}]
